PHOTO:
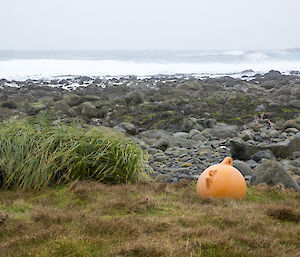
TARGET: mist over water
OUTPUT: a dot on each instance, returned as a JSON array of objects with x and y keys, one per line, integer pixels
[{"x": 48, "y": 64}]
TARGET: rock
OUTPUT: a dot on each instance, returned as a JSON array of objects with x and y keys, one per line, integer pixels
[
  {"x": 293, "y": 123},
  {"x": 191, "y": 123},
  {"x": 181, "y": 135},
  {"x": 278, "y": 125},
  {"x": 10, "y": 104},
  {"x": 196, "y": 135},
  {"x": 260, "y": 108},
  {"x": 253, "y": 164},
  {"x": 246, "y": 135},
  {"x": 160, "y": 157},
  {"x": 224, "y": 131},
  {"x": 128, "y": 128},
  {"x": 157, "y": 134},
  {"x": 248, "y": 179},
  {"x": 243, "y": 167},
  {"x": 163, "y": 143},
  {"x": 211, "y": 123},
  {"x": 207, "y": 123},
  {"x": 292, "y": 130},
  {"x": 75, "y": 111},
  {"x": 90, "y": 98},
  {"x": 104, "y": 110},
  {"x": 263, "y": 135},
  {"x": 293, "y": 166},
  {"x": 296, "y": 155},
  {"x": 273, "y": 133},
  {"x": 247, "y": 71},
  {"x": 283, "y": 135},
  {"x": 62, "y": 107},
  {"x": 294, "y": 104},
  {"x": 175, "y": 151},
  {"x": 46, "y": 100},
  {"x": 258, "y": 156},
  {"x": 180, "y": 171},
  {"x": 164, "y": 178},
  {"x": 170, "y": 141},
  {"x": 187, "y": 176},
  {"x": 206, "y": 133},
  {"x": 73, "y": 99},
  {"x": 153, "y": 151},
  {"x": 272, "y": 173},
  {"x": 273, "y": 74},
  {"x": 295, "y": 72},
  {"x": 83, "y": 79},
  {"x": 133, "y": 97},
  {"x": 34, "y": 108},
  {"x": 88, "y": 110},
  {"x": 285, "y": 149},
  {"x": 268, "y": 85},
  {"x": 243, "y": 151},
  {"x": 186, "y": 164}
]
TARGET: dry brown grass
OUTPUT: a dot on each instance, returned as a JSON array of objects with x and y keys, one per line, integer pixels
[{"x": 93, "y": 219}]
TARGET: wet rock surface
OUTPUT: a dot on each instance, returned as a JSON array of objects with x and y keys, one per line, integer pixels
[{"x": 184, "y": 123}]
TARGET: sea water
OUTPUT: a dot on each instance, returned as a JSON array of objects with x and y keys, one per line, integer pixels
[{"x": 22, "y": 65}]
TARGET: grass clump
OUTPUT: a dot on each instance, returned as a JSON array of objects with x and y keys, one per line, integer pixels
[{"x": 34, "y": 154}]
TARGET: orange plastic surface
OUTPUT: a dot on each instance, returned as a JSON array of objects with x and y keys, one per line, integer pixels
[{"x": 222, "y": 181}]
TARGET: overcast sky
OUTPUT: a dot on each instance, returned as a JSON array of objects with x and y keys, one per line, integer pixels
[{"x": 149, "y": 24}]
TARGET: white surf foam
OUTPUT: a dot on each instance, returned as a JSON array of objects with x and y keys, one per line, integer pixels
[{"x": 21, "y": 69}]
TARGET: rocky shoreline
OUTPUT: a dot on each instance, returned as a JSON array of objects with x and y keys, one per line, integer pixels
[{"x": 184, "y": 123}]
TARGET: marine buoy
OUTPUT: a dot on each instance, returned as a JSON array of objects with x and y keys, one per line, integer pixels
[{"x": 222, "y": 181}]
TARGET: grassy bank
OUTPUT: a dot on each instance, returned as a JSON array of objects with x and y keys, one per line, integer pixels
[
  {"x": 34, "y": 154},
  {"x": 94, "y": 219}
]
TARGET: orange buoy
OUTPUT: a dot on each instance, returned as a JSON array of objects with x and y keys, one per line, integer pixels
[{"x": 222, "y": 181}]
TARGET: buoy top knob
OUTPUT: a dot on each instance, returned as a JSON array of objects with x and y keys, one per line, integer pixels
[{"x": 227, "y": 161}]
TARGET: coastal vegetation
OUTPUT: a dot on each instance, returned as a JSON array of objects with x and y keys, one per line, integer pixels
[{"x": 35, "y": 154}]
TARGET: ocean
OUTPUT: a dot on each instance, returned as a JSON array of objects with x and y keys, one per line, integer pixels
[{"x": 22, "y": 65}]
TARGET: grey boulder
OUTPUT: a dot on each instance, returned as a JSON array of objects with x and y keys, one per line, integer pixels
[
  {"x": 243, "y": 151},
  {"x": 293, "y": 123},
  {"x": 170, "y": 141},
  {"x": 272, "y": 173},
  {"x": 243, "y": 167},
  {"x": 294, "y": 104},
  {"x": 258, "y": 156},
  {"x": 224, "y": 131},
  {"x": 127, "y": 128}
]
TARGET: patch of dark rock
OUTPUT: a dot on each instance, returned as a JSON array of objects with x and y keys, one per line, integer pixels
[
  {"x": 272, "y": 74},
  {"x": 243, "y": 167},
  {"x": 243, "y": 151},
  {"x": 258, "y": 156}
]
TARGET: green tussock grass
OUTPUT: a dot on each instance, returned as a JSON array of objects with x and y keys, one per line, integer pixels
[
  {"x": 34, "y": 154},
  {"x": 147, "y": 219}
]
